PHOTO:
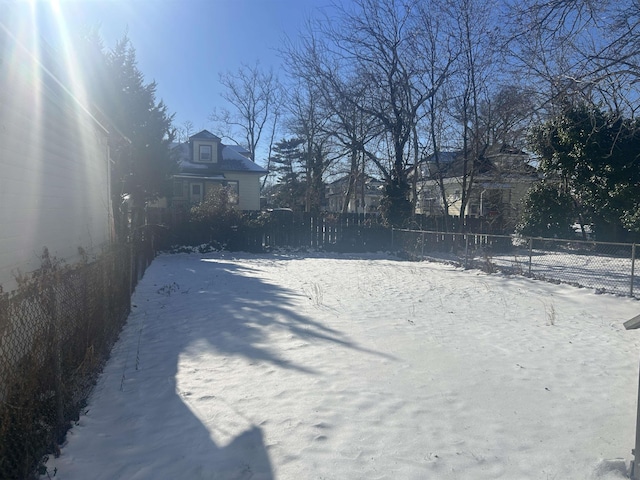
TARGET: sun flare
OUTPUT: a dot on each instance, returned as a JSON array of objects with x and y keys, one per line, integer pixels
[{"x": 47, "y": 120}]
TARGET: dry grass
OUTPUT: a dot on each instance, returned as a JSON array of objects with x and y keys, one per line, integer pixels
[{"x": 56, "y": 331}]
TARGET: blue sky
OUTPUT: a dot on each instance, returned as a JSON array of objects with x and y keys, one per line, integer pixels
[{"x": 185, "y": 44}]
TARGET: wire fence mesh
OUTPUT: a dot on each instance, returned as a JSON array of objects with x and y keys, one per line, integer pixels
[
  {"x": 56, "y": 331},
  {"x": 603, "y": 266}
]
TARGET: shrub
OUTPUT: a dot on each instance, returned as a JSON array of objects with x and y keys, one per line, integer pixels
[
  {"x": 548, "y": 211},
  {"x": 216, "y": 221}
]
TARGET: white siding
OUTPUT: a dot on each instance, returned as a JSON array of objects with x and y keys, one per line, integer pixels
[
  {"x": 249, "y": 189},
  {"x": 196, "y": 150},
  {"x": 54, "y": 173}
]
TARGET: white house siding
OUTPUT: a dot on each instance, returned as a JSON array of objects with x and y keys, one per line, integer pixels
[
  {"x": 249, "y": 189},
  {"x": 54, "y": 173},
  {"x": 196, "y": 149}
]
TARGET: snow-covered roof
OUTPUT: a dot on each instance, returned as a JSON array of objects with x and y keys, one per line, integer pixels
[
  {"x": 240, "y": 149},
  {"x": 233, "y": 160},
  {"x": 229, "y": 160}
]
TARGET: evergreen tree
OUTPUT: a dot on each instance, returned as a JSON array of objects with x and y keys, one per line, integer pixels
[
  {"x": 142, "y": 160},
  {"x": 395, "y": 206},
  {"x": 290, "y": 190},
  {"x": 548, "y": 211},
  {"x": 595, "y": 155}
]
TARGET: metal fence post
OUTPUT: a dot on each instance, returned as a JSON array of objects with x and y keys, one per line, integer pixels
[
  {"x": 422, "y": 251},
  {"x": 530, "y": 253},
  {"x": 635, "y": 464},
  {"x": 633, "y": 266},
  {"x": 466, "y": 251},
  {"x": 633, "y": 324},
  {"x": 392, "y": 230}
]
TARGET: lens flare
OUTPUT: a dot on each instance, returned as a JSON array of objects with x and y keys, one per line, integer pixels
[{"x": 54, "y": 189}]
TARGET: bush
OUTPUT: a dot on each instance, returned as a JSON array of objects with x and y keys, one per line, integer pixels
[
  {"x": 216, "y": 221},
  {"x": 547, "y": 212}
]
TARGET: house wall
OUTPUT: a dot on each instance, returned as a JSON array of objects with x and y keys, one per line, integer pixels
[
  {"x": 372, "y": 202},
  {"x": 249, "y": 189},
  {"x": 54, "y": 172},
  {"x": 196, "y": 149},
  {"x": 510, "y": 191},
  {"x": 336, "y": 192}
]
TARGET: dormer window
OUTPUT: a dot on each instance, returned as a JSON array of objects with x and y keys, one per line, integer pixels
[{"x": 205, "y": 154}]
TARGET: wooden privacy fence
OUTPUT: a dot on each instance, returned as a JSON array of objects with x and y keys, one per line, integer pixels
[
  {"x": 283, "y": 228},
  {"x": 345, "y": 233}
]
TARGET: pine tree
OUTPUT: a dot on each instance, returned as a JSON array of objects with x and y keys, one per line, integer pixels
[
  {"x": 142, "y": 161},
  {"x": 594, "y": 154},
  {"x": 289, "y": 191}
]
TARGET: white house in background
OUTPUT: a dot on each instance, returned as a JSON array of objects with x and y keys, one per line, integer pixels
[
  {"x": 365, "y": 198},
  {"x": 54, "y": 164},
  {"x": 503, "y": 177},
  {"x": 205, "y": 163}
]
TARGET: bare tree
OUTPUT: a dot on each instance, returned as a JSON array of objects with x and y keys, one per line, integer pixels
[
  {"x": 307, "y": 120},
  {"x": 255, "y": 97},
  {"x": 353, "y": 130},
  {"x": 473, "y": 27},
  {"x": 507, "y": 115},
  {"x": 275, "y": 121},
  {"x": 439, "y": 52},
  {"x": 346, "y": 125},
  {"x": 371, "y": 59},
  {"x": 184, "y": 131},
  {"x": 583, "y": 50}
]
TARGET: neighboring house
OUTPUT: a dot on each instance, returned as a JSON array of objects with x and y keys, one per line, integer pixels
[
  {"x": 205, "y": 163},
  {"x": 364, "y": 199},
  {"x": 54, "y": 164},
  {"x": 502, "y": 178}
]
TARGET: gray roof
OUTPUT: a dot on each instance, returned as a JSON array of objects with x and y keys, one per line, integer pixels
[
  {"x": 234, "y": 161},
  {"x": 206, "y": 134},
  {"x": 240, "y": 149},
  {"x": 229, "y": 160}
]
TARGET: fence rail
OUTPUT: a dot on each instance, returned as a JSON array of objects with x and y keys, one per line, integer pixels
[
  {"x": 284, "y": 228},
  {"x": 603, "y": 266}
]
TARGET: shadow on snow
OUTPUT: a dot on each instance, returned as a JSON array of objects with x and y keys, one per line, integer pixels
[{"x": 209, "y": 304}]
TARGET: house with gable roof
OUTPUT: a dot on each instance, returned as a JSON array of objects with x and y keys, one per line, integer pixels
[{"x": 205, "y": 164}]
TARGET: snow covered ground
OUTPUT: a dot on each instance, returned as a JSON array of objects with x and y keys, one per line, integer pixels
[
  {"x": 359, "y": 367},
  {"x": 607, "y": 273}
]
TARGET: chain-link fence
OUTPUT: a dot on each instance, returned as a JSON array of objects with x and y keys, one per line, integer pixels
[
  {"x": 603, "y": 266},
  {"x": 56, "y": 330}
]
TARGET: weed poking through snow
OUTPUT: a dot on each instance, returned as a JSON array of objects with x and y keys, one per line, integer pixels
[{"x": 550, "y": 313}]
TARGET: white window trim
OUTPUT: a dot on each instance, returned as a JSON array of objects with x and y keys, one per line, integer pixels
[
  {"x": 197, "y": 197},
  {"x": 200, "y": 152}
]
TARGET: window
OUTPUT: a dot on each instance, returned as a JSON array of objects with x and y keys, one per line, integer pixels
[
  {"x": 205, "y": 153},
  {"x": 196, "y": 191}
]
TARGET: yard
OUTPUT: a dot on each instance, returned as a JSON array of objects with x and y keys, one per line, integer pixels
[{"x": 240, "y": 366}]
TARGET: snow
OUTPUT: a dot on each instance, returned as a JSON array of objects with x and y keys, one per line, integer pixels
[
  {"x": 359, "y": 367},
  {"x": 605, "y": 273}
]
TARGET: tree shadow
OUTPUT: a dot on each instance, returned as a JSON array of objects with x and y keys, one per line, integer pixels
[
  {"x": 237, "y": 307},
  {"x": 187, "y": 307}
]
